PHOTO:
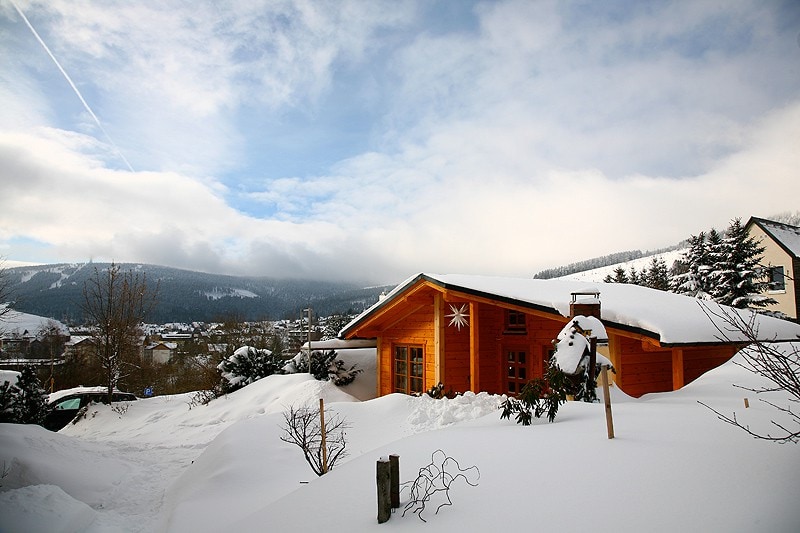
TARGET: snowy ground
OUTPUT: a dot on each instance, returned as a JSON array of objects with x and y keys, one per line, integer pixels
[{"x": 161, "y": 466}]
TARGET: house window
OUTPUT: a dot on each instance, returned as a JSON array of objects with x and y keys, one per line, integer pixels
[
  {"x": 408, "y": 369},
  {"x": 515, "y": 323},
  {"x": 777, "y": 279},
  {"x": 516, "y": 371}
]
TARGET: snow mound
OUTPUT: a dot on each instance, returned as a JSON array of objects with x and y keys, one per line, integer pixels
[
  {"x": 37, "y": 505},
  {"x": 428, "y": 413}
]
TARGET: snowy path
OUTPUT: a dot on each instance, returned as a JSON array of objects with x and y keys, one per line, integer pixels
[{"x": 135, "y": 504}]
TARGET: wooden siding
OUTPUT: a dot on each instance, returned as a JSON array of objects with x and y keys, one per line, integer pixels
[
  {"x": 643, "y": 367},
  {"x": 699, "y": 360}
]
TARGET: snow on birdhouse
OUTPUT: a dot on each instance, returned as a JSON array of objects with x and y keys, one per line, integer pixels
[{"x": 573, "y": 344}]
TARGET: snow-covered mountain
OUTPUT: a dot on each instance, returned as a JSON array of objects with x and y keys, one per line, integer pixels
[{"x": 185, "y": 296}]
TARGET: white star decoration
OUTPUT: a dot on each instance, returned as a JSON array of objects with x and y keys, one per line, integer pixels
[{"x": 459, "y": 316}]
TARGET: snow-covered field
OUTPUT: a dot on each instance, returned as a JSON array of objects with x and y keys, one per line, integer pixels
[{"x": 161, "y": 466}]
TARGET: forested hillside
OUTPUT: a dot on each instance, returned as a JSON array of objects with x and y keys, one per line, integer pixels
[{"x": 184, "y": 296}]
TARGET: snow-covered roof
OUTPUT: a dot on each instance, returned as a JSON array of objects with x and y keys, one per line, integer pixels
[
  {"x": 785, "y": 235},
  {"x": 339, "y": 344},
  {"x": 54, "y": 396},
  {"x": 671, "y": 318}
]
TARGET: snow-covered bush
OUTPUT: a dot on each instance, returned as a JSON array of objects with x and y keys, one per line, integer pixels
[
  {"x": 324, "y": 366},
  {"x": 23, "y": 402},
  {"x": 246, "y": 365}
]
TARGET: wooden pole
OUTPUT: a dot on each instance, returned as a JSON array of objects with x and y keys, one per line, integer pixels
[
  {"x": 324, "y": 440},
  {"x": 394, "y": 464},
  {"x": 607, "y": 401},
  {"x": 383, "y": 478}
]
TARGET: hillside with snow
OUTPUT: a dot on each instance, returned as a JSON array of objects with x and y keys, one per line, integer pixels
[
  {"x": 640, "y": 264},
  {"x": 163, "y": 466}
]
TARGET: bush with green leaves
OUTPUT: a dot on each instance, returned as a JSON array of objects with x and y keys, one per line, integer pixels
[
  {"x": 246, "y": 365},
  {"x": 538, "y": 397}
]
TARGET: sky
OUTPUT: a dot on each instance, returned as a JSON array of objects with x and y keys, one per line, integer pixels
[{"x": 367, "y": 140}]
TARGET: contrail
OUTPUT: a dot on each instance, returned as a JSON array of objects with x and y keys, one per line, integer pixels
[{"x": 71, "y": 84}]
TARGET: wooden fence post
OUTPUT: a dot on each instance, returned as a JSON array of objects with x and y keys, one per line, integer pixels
[
  {"x": 383, "y": 477},
  {"x": 394, "y": 463},
  {"x": 607, "y": 401}
]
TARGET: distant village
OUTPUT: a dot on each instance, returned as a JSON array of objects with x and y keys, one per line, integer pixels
[{"x": 64, "y": 355}]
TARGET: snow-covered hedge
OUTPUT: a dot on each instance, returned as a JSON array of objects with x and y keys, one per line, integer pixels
[
  {"x": 324, "y": 366},
  {"x": 248, "y": 364}
]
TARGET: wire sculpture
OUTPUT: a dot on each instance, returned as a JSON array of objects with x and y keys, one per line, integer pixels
[{"x": 435, "y": 479}]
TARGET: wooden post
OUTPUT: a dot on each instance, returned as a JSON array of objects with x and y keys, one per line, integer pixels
[
  {"x": 592, "y": 359},
  {"x": 383, "y": 478},
  {"x": 746, "y": 403},
  {"x": 607, "y": 401},
  {"x": 394, "y": 463},
  {"x": 324, "y": 440}
]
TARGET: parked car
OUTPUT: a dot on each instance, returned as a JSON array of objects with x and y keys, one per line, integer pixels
[{"x": 63, "y": 406}]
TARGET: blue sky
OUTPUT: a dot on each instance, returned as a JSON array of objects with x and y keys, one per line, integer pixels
[{"x": 369, "y": 140}]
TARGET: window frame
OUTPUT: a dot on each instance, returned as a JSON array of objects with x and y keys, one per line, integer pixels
[
  {"x": 515, "y": 323},
  {"x": 414, "y": 359},
  {"x": 776, "y": 286}
]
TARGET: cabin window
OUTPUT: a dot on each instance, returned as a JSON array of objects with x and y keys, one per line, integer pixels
[
  {"x": 516, "y": 371},
  {"x": 408, "y": 369},
  {"x": 777, "y": 279},
  {"x": 515, "y": 323}
]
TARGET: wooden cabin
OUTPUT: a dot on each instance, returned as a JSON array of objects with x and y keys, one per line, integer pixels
[{"x": 478, "y": 333}]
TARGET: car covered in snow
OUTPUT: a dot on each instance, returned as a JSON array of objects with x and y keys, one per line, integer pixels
[{"x": 63, "y": 406}]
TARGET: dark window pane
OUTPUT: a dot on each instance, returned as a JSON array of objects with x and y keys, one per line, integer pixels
[
  {"x": 511, "y": 372},
  {"x": 521, "y": 358},
  {"x": 400, "y": 367},
  {"x": 521, "y": 373},
  {"x": 512, "y": 387}
]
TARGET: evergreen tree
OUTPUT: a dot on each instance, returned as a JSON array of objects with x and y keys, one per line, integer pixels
[
  {"x": 657, "y": 275},
  {"x": 30, "y": 403},
  {"x": 7, "y": 397},
  {"x": 738, "y": 279},
  {"x": 635, "y": 277},
  {"x": 620, "y": 276},
  {"x": 714, "y": 258},
  {"x": 694, "y": 280}
]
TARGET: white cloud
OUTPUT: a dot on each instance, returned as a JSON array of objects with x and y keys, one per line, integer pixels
[{"x": 545, "y": 133}]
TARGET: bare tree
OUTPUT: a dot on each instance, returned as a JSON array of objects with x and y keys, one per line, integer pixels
[
  {"x": 52, "y": 338},
  {"x": 115, "y": 303},
  {"x": 302, "y": 428},
  {"x": 779, "y": 363}
]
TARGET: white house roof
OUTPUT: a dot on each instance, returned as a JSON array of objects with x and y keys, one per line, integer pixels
[{"x": 671, "y": 318}]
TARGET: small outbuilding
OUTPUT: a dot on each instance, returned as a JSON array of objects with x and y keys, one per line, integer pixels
[{"x": 494, "y": 334}]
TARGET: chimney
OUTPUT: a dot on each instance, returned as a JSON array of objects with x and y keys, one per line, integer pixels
[{"x": 586, "y": 303}]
